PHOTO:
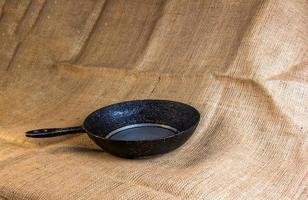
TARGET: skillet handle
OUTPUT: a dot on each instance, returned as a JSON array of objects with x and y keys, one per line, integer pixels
[{"x": 53, "y": 132}]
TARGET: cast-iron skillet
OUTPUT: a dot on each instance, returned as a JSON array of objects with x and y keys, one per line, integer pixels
[{"x": 135, "y": 128}]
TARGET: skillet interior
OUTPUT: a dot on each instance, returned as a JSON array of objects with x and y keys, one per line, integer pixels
[{"x": 174, "y": 114}]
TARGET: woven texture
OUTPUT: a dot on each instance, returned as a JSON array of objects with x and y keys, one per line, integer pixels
[{"x": 242, "y": 64}]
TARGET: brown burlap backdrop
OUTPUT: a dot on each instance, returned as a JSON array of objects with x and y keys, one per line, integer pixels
[{"x": 242, "y": 63}]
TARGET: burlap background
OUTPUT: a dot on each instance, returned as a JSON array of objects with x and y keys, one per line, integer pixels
[{"x": 242, "y": 63}]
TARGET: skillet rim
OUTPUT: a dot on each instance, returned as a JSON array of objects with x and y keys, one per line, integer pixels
[{"x": 194, "y": 126}]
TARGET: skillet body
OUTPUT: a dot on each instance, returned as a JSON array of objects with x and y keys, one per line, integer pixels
[{"x": 182, "y": 117}]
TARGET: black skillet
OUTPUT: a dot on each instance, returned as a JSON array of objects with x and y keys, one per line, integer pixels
[{"x": 136, "y": 128}]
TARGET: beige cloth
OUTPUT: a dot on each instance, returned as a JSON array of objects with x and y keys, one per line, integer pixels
[{"x": 242, "y": 63}]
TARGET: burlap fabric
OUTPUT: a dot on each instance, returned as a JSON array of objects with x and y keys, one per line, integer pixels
[{"x": 242, "y": 63}]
